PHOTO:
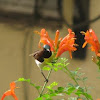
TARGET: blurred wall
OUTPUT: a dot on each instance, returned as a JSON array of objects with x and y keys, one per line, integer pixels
[
  {"x": 18, "y": 41},
  {"x": 21, "y": 6}
]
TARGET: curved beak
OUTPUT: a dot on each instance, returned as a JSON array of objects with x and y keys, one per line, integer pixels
[{"x": 48, "y": 50}]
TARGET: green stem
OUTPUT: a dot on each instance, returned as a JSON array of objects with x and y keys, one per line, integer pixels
[
  {"x": 71, "y": 76},
  {"x": 45, "y": 83}
]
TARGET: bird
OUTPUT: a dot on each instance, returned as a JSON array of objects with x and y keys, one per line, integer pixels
[{"x": 39, "y": 57}]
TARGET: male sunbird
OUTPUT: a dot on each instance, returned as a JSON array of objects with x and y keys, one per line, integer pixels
[{"x": 39, "y": 57}]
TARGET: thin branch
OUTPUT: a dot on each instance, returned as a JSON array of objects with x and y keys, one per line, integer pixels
[{"x": 45, "y": 82}]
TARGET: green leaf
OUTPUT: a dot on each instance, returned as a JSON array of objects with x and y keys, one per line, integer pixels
[
  {"x": 72, "y": 98},
  {"x": 60, "y": 89},
  {"x": 80, "y": 74},
  {"x": 85, "y": 78},
  {"x": 55, "y": 69},
  {"x": 23, "y": 80},
  {"x": 74, "y": 72},
  {"x": 64, "y": 59},
  {"x": 58, "y": 64},
  {"x": 29, "y": 81},
  {"x": 79, "y": 91},
  {"x": 53, "y": 94},
  {"x": 39, "y": 98},
  {"x": 70, "y": 89},
  {"x": 78, "y": 68},
  {"x": 46, "y": 68},
  {"x": 50, "y": 64},
  {"x": 78, "y": 79},
  {"x": 60, "y": 94},
  {"x": 52, "y": 85},
  {"x": 46, "y": 96},
  {"x": 37, "y": 87},
  {"x": 70, "y": 84},
  {"x": 88, "y": 96}
]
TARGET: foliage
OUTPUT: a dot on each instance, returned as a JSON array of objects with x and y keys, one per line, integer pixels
[{"x": 55, "y": 63}]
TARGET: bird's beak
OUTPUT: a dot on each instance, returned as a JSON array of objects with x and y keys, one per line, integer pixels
[
  {"x": 48, "y": 50},
  {"x": 31, "y": 54}
]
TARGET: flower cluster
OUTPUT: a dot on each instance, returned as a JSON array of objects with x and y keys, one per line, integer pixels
[
  {"x": 92, "y": 39},
  {"x": 58, "y": 45}
]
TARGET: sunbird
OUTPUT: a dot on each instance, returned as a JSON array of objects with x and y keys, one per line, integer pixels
[{"x": 39, "y": 57}]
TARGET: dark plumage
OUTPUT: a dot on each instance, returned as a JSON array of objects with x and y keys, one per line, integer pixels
[
  {"x": 40, "y": 55},
  {"x": 44, "y": 53}
]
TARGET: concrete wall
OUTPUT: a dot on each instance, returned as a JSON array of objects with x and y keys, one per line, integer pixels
[{"x": 21, "y": 6}]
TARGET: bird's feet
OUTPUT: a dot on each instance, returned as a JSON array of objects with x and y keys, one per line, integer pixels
[{"x": 46, "y": 80}]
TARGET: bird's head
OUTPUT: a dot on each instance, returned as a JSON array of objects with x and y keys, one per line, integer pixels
[{"x": 46, "y": 47}]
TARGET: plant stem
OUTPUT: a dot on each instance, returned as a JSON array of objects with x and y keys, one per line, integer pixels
[
  {"x": 45, "y": 83},
  {"x": 70, "y": 74},
  {"x": 67, "y": 71}
]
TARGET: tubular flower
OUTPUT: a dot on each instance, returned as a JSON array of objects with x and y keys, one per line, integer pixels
[
  {"x": 58, "y": 45},
  {"x": 56, "y": 38},
  {"x": 67, "y": 44},
  {"x": 92, "y": 39},
  {"x": 10, "y": 92},
  {"x": 45, "y": 39}
]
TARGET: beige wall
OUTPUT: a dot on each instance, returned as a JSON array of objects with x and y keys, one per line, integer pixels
[{"x": 17, "y": 42}]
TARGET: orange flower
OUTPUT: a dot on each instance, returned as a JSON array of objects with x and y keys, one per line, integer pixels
[
  {"x": 45, "y": 39},
  {"x": 67, "y": 44},
  {"x": 56, "y": 38},
  {"x": 92, "y": 39},
  {"x": 10, "y": 92}
]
